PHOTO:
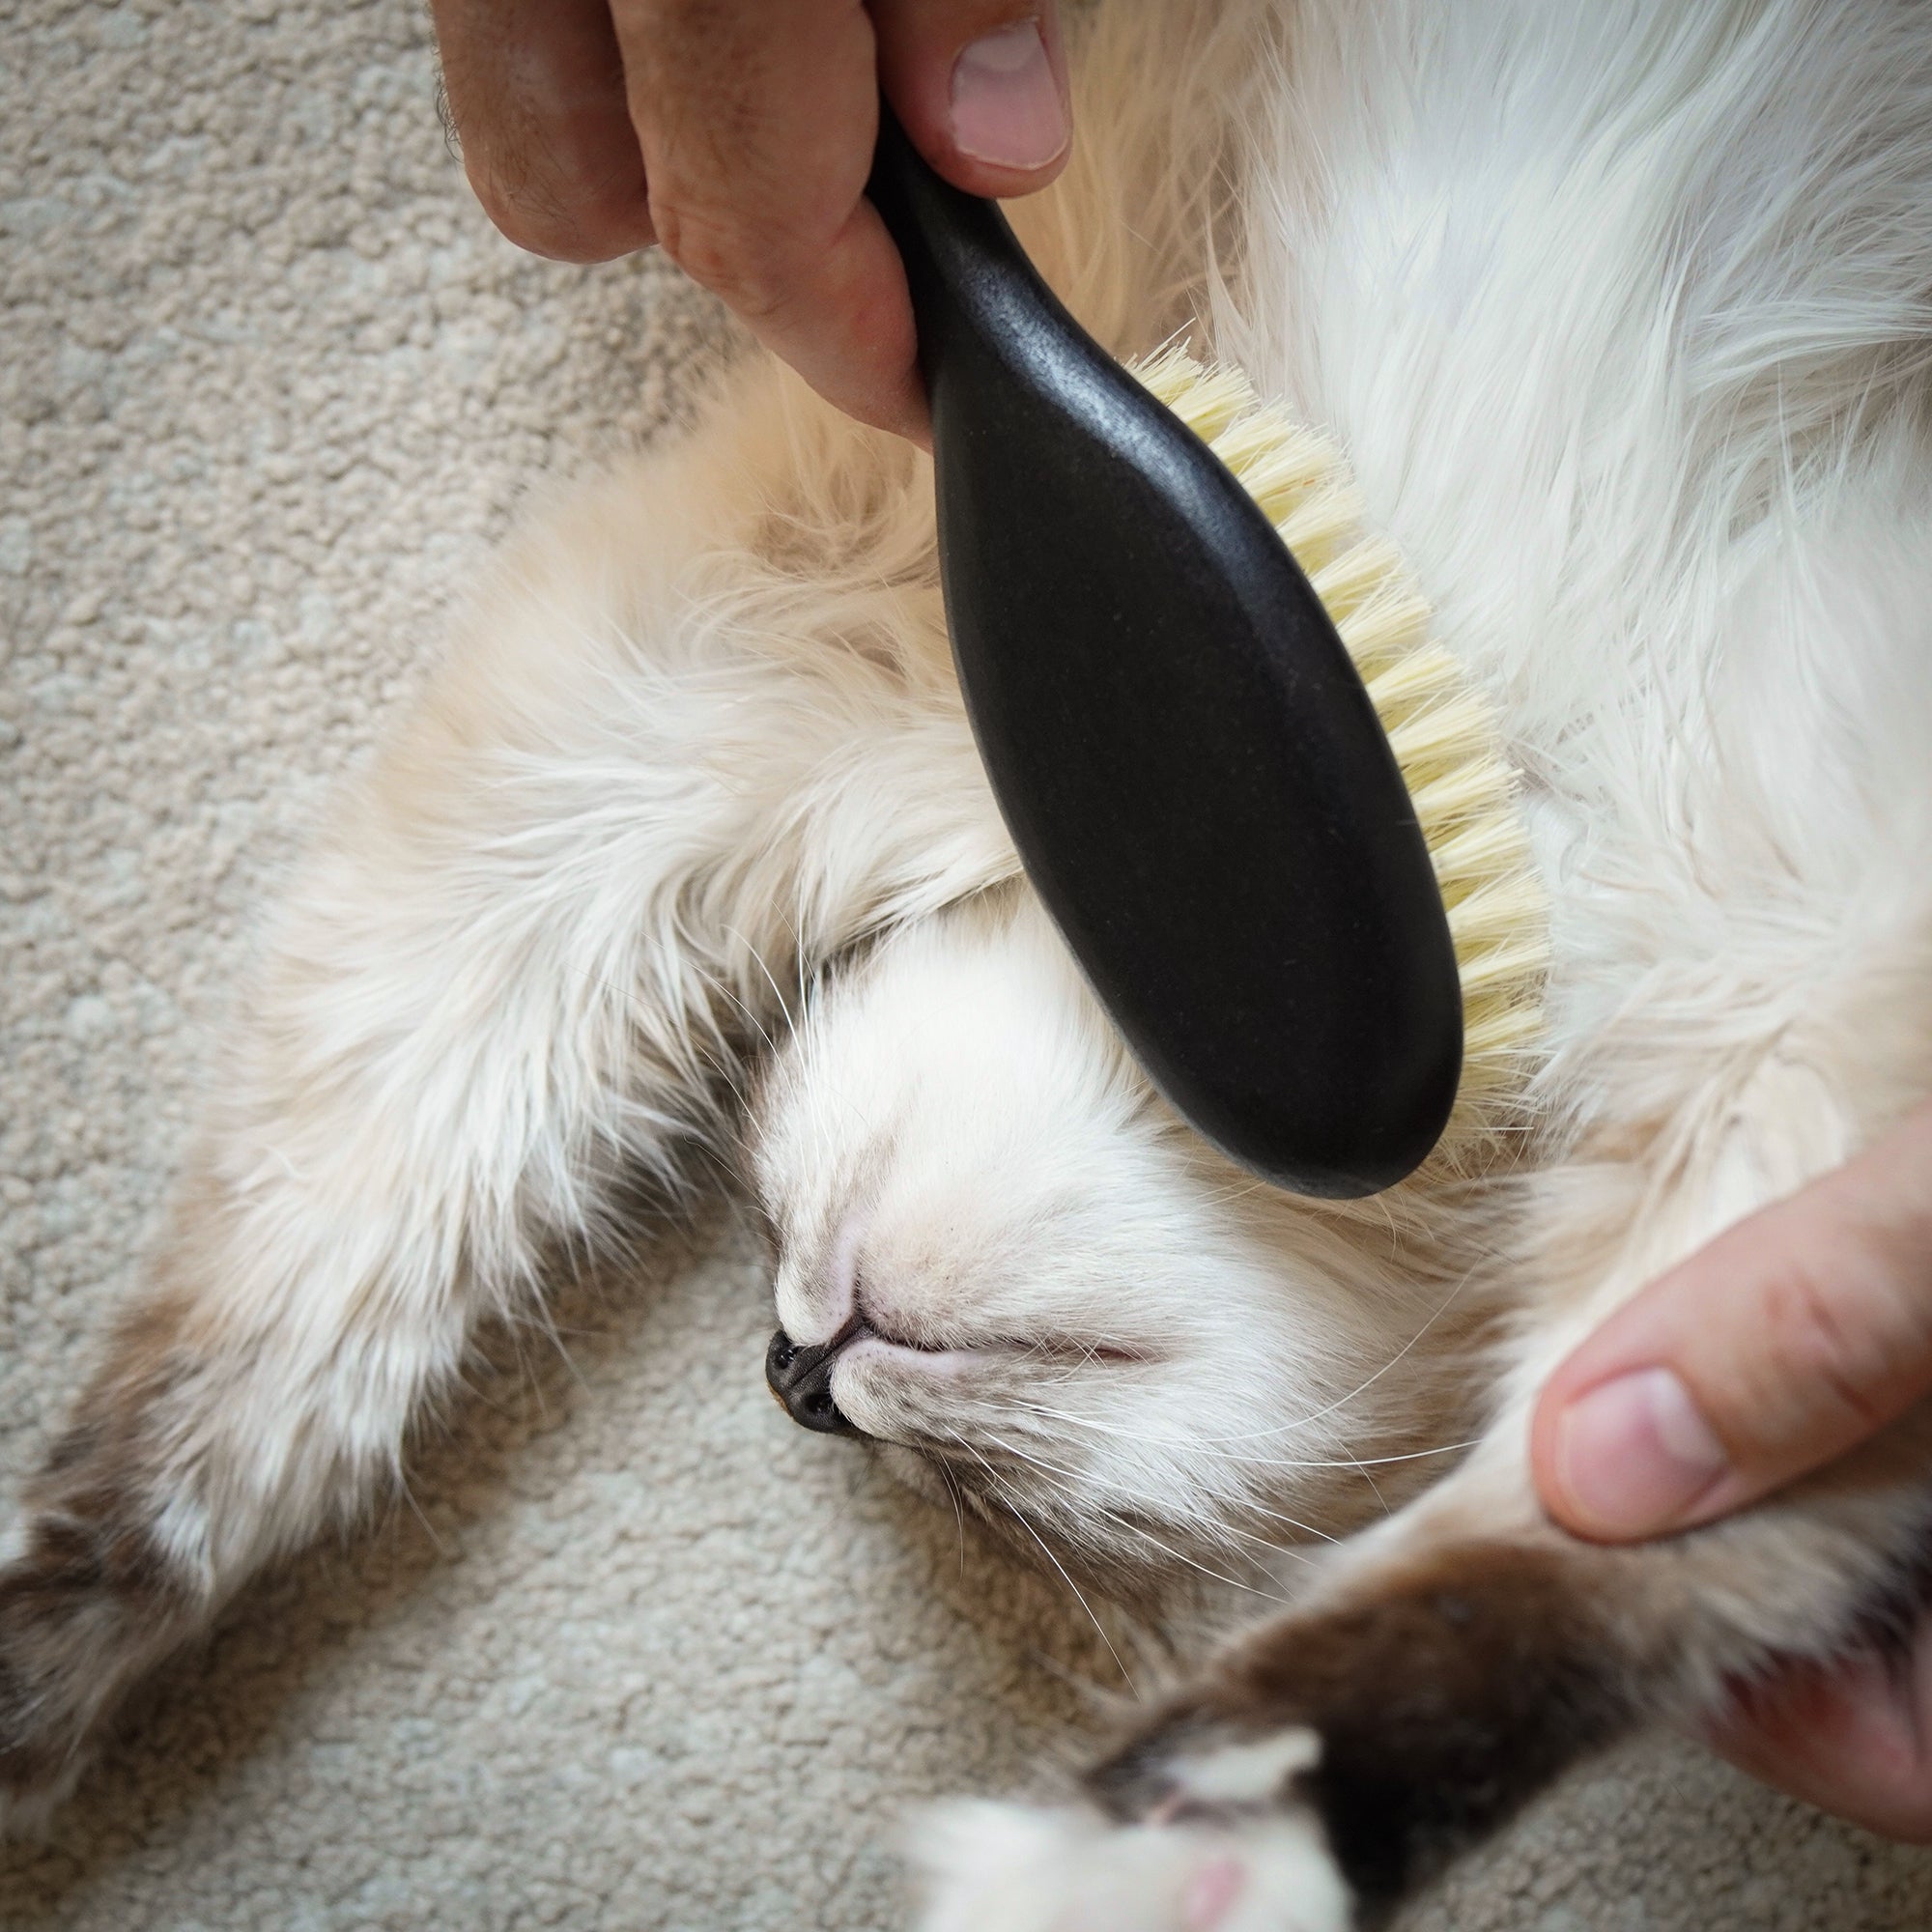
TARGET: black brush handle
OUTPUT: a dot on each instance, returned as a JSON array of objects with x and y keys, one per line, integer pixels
[
  {"x": 1192, "y": 773},
  {"x": 972, "y": 284}
]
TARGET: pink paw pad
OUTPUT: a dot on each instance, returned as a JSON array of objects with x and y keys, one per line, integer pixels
[{"x": 1209, "y": 1894}]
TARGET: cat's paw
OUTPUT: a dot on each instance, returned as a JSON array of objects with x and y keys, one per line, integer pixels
[
  {"x": 67, "y": 1633},
  {"x": 40, "y": 1763},
  {"x": 1011, "y": 1869}
]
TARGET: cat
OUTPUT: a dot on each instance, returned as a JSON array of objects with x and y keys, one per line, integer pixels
[{"x": 1622, "y": 315}]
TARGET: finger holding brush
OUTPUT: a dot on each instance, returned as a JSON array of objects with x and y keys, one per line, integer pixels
[{"x": 739, "y": 139}]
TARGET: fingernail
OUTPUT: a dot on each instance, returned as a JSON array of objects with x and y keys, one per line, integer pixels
[
  {"x": 1005, "y": 107},
  {"x": 1634, "y": 1454}
]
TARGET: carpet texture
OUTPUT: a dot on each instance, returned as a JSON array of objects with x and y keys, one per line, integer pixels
[{"x": 640, "y": 1654}]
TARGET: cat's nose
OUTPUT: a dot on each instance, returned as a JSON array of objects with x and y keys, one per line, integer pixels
[{"x": 801, "y": 1378}]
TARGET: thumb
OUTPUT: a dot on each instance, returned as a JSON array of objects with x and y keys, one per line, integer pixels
[
  {"x": 1770, "y": 1353},
  {"x": 979, "y": 87}
]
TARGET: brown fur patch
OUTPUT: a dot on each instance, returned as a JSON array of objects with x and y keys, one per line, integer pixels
[
  {"x": 93, "y": 1599},
  {"x": 1444, "y": 1699},
  {"x": 88, "y": 1606}
]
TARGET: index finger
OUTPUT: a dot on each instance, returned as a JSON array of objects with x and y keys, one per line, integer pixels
[{"x": 757, "y": 123}]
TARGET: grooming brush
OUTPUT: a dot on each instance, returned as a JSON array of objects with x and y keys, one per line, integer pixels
[
  {"x": 1446, "y": 737},
  {"x": 1270, "y": 817}
]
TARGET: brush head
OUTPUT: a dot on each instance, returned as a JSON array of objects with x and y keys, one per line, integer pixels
[{"x": 1447, "y": 739}]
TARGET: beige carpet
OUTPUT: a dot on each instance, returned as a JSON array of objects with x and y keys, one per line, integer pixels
[{"x": 644, "y": 1656}]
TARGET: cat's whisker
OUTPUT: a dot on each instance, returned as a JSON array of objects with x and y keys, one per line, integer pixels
[
  {"x": 1307, "y": 1529},
  {"x": 951, "y": 1484},
  {"x": 1361, "y": 1469},
  {"x": 720, "y": 984},
  {"x": 1020, "y": 1517},
  {"x": 1049, "y": 1471},
  {"x": 1206, "y": 1441},
  {"x": 758, "y": 958},
  {"x": 1207, "y": 1449}
]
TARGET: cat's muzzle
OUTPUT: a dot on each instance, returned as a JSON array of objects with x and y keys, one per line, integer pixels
[{"x": 801, "y": 1378}]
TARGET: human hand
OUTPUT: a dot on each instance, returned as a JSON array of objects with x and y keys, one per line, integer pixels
[
  {"x": 739, "y": 137},
  {"x": 1787, "y": 1340}
]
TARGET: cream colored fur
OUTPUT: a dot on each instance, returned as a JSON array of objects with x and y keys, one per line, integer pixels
[{"x": 1621, "y": 315}]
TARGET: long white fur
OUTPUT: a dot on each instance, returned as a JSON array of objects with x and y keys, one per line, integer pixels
[{"x": 1621, "y": 315}]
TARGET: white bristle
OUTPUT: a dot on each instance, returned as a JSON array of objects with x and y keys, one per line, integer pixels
[
  {"x": 1352, "y": 580},
  {"x": 1207, "y": 400},
  {"x": 1389, "y": 629},
  {"x": 1475, "y": 786},
  {"x": 1319, "y": 524},
  {"x": 1443, "y": 731}
]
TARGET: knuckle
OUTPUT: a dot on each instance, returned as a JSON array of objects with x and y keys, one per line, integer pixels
[
  {"x": 602, "y": 229},
  {"x": 745, "y": 266},
  {"x": 557, "y": 215},
  {"x": 1830, "y": 1354}
]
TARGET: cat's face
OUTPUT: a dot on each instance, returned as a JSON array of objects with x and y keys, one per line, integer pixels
[{"x": 1046, "y": 1297}]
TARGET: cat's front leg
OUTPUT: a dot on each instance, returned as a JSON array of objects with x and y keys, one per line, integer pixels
[
  {"x": 1459, "y": 1658},
  {"x": 1329, "y": 1762},
  {"x": 1413, "y": 1711}
]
